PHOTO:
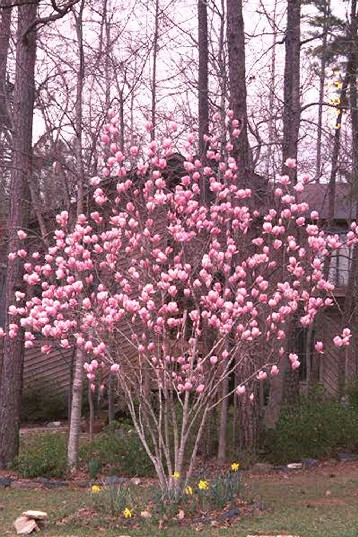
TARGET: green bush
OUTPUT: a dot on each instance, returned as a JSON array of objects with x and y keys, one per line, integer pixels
[
  {"x": 119, "y": 451},
  {"x": 315, "y": 427},
  {"x": 352, "y": 392},
  {"x": 43, "y": 455}
]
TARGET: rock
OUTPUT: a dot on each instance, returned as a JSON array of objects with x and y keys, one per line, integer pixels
[
  {"x": 84, "y": 484},
  {"x": 347, "y": 457},
  {"x": 5, "y": 482},
  {"x": 37, "y": 515},
  {"x": 261, "y": 468},
  {"x": 42, "y": 480},
  {"x": 280, "y": 468},
  {"x": 114, "y": 480},
  {"x": 24, "y": 485},
  {"x": 56, "y": 484},
  {"x": 145, "y": 514},
  {"x": 27, "y": 522},
  {"x": 310, "y": 463},
  {"x": 295, "y": 466},
  {"x": 54, "y": 424},
  {"x": 135, "y": 481},
  {"x": 24, "y": 525},
  {"x": 232, "y": 513}
]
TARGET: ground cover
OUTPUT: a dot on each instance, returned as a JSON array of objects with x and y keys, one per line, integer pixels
[{"x": 320, "y": 502}]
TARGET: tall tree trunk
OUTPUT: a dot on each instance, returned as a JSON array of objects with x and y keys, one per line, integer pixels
[
  {"x": 350, "y": 303},
  {"x": 284, "y": 387},
  {"x": 24, "y": 95},
  {"x": 291, "y": 89},
  {"x": 335, "y": 151},
  {"x": 5, "y": 32},
  {"x": 237, "y": 85},
  {"x": 77, "y": 387},
  {"x": 76, "y": 406},
  {"x": 322, "y": 80},
  {"x": 203, "y": 76},
  {"x": 154, "y": 71},
  {"x": 223, "y": 421}
]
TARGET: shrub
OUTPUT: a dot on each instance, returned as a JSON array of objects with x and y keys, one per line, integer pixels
[
  {"x": 120, "y": 450},
  {"x": 352, "y": 392},
  {"x": 43, "y": 456},
  {"x": 316, "y": 426}
]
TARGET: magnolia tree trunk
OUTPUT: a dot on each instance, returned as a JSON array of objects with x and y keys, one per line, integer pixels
[
  {"x": 76, "y": 406},
  {"x": 12, "y": 365}
]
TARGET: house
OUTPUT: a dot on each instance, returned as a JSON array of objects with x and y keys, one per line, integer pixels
[{"x": 335, "y": 367}]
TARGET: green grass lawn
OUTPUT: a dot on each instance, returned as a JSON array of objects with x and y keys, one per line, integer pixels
[{"x": 317, "y": 503}]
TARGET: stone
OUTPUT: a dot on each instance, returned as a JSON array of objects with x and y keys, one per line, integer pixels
[
  {"x": 114, "y": 480},
  {"x": 261, "y": 468},
  {"x": 24, "y": 525},
  {"x": 22, "y": 485},
  {"x": 56, "y": 484},
  {"x": 37, "y": 515},
  {"x": 232, "y": 513},
  {"x": 54, "y": 424},
  {"x": 5, "y": 482},
  {"x": 310, "y": 463},
  {"x": 295, "y": 466},
  {"x": 41, "y": 480},
  {"x": 347, "y": 457}
]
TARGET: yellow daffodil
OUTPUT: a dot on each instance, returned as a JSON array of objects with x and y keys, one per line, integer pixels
[
  {"x": 127, "y": 513},
  {"x": 235, "y": 466},
  {"x": 95, "y": 489},
  {"x": 176, "y": 475},
  {"x": 203, "y": 485},
  {"x": 188, "y": 490}
]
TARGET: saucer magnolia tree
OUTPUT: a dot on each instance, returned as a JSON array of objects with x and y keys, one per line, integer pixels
[{"x": 150, "y": 268}]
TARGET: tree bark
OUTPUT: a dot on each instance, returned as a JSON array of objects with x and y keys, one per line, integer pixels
[
  {"x": 237, "y": 86},
  {"x": 77, "y": 387},
  {"x": 291, "y": 89},
  {"x": 76, "y": 406},
  {"x": 5, "y": 32},
  {"x": 24, "y": 95},
  {"x": 203, "y": 76}
]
